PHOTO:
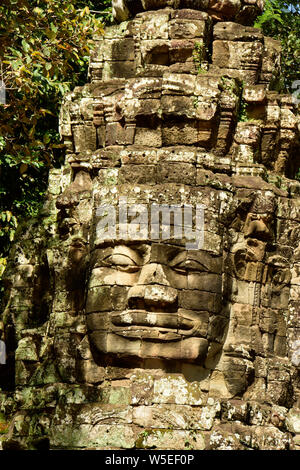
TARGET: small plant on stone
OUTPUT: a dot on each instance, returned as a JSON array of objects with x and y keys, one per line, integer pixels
[
  {"x": 228, "y": 85},
  {"x": 243, "y": 115},
  {"x": 188, "y": 445},
  {"x": 199, "y": 55},
  {"x": 196, "y": 102}
]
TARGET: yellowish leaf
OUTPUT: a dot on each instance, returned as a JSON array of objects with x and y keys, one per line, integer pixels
[{"x": 23, "y": 168}]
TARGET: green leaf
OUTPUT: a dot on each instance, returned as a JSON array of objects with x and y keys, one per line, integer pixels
[
  {"x": 38, "y": 11},
  {"x": 25, "y": 45},
  {"x": 53, "y": 28},
  {"x": 12, "y": 235},
  {"x": 50, "y": 34},
  {"x": 46, "y": 138}
]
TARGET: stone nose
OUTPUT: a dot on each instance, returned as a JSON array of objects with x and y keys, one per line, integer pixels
[{"x": 153, "y": 291}]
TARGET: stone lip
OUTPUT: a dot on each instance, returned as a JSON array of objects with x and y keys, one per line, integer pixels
[
  {"x": 242, "y": 11},
  {"x": 161, "y": 326},
  {"x": 160, "y": 335}
]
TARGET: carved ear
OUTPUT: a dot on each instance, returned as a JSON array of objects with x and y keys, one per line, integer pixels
[{"x": 239, "y": 263}]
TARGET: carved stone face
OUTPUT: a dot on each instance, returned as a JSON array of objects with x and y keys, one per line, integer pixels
[{"x": 157, "y": 299}]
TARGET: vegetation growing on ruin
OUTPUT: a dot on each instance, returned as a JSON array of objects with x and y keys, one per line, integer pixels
[
  {"x": 281, "y": 20},
  {"x": 45, "y": 47},
  {"x": 200, "y": 56}
]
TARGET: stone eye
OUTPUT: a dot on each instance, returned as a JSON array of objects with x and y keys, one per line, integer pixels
[
  {"x": 122, "y": 262},
  {"x": 188, "y": 266}
]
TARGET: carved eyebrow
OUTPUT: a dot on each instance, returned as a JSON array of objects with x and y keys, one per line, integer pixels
[
  {"x": 203, "y": 258},
  {"x": 190, "y": 265},
  {"x": 99, "y": 256},
  {"x": 130, "y": 253},
  {"x": 189, "y": 258}
]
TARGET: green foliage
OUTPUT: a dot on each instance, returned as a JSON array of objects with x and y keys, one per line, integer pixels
[
  {"x": 199, "y": 56},
  {"x": 242, "y": 114},
  {"x": 45, "y": 47},
  {"x": 281, "y": 20},
  {"x": 228, "y": 84},
  {"x": 196, "y": 102}
]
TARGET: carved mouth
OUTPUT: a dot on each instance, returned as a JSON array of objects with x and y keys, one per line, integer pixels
[{"x": 157, "y": 326}]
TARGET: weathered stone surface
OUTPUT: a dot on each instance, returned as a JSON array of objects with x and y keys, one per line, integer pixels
[
  {"x": 229, "y": 9},
  {"x": 171, "y": 439},
  {"x": 178, "y": 327}
]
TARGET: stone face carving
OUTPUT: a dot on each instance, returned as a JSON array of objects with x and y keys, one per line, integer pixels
[
  {"x": 111, "y": 336},
  {"x": 168, "y": 303}
]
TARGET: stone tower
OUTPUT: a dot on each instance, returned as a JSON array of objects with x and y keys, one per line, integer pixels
[{"x": 155, "y": 302}]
